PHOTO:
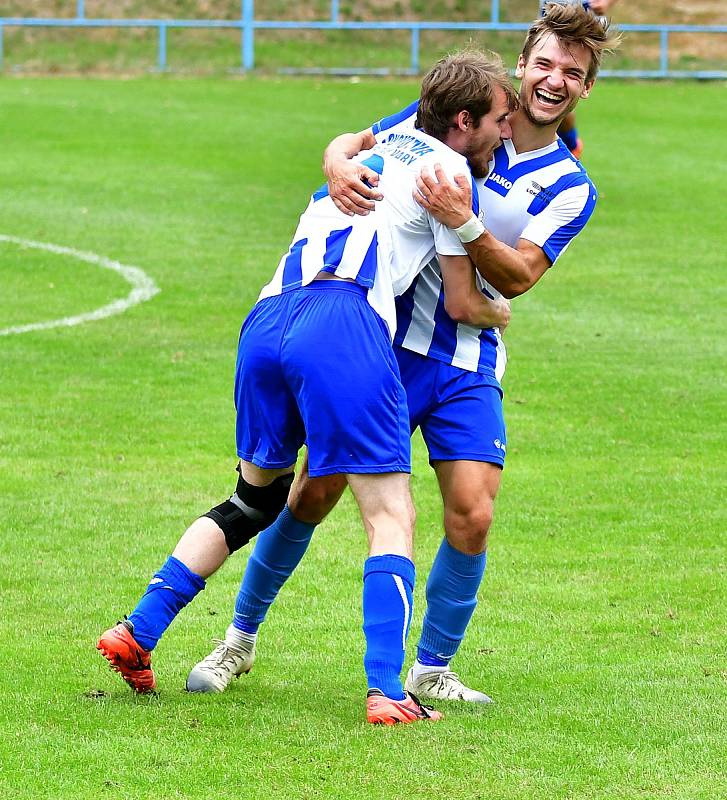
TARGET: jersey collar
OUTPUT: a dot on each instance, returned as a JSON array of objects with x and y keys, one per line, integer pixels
[{"x": 517, "y": 158}]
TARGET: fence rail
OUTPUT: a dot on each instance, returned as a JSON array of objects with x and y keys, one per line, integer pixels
[{"x": 247, "y": 25}]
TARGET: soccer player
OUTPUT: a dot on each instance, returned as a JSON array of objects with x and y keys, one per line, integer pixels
[
  {"x": 535, "y": 200},
  {"x": 315, "y": 364}
]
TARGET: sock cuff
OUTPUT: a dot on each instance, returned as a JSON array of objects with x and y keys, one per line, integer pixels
[
  {"x": 239, "y": 623},
  {"x": 427, "y": 659},
  {"x": 178, "y": 569},
  {"x": 392, "y": 565},
  {"x": 295, "y": 530},
  {"x": 463, "y": 562}
]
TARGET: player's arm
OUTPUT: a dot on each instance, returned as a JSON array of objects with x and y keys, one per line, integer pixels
[
  {"x": 464, "y": 302},
  {"x": 511, "y": 270},
  {"x": 351, "y": 185}
]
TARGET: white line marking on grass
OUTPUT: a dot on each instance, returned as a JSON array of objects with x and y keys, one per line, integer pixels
[{"x": 143, "y": 287}]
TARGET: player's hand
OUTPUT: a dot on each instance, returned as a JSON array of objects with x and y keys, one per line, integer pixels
[
  {"x": 449, "y": 203},
  {"x": 352, "y": 187},
  {"x": 503, "y": 313}
]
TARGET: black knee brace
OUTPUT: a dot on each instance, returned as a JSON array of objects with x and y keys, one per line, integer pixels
[{"x": 250, "y": 510}]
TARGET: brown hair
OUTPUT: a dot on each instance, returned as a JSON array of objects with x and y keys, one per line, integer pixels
[
  {"x": 572, "y": 24},
  {"x": 462, "y": 81}
]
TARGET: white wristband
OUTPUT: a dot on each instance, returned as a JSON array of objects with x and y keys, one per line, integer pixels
[{"x": 470, "y": 231}]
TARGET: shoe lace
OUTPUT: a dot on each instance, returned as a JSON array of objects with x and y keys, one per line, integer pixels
[
  {"x": 217, "y": 660},
  {"x": 424, "y": 709},
  {"x": 448, "y": 681}
]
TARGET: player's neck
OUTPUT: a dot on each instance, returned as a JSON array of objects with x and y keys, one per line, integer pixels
[{"x": 527, "y": 137}]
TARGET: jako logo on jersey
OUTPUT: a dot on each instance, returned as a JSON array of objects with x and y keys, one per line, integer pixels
[
  {"x": 499, "y": 445},
  {"x": 504, "y": 182}
]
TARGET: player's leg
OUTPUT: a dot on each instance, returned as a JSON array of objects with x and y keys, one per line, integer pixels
[
  {"x": 465, "y": 433},
  {"x": 357, "y": 423},
  {"x": 200, "y": 552},
  {"x": 271, "y": 441},
  {"x": 227, "y": 527},
  {"x": 280, "y": 548},
  {"x": 468, "y": 492},
  {"x": 277, "y": 552},
  {"x": 388, "y": 517}
]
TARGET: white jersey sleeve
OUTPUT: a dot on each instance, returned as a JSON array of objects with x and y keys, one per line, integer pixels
[
  {"x": 561, "y": 217},
  {"x": 406, "y": 119}
]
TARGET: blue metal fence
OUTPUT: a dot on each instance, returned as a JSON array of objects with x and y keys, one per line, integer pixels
[{"x": 247, "y": 25}]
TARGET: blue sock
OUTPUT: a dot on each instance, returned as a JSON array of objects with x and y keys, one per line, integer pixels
[
  {"x": 388, "y": 586},
  {"x": 169, "y": 591},
  {"x": 570, "y": 138},
  {"x": 451, "y": 600},
  {"x": 277, "y": 552}
]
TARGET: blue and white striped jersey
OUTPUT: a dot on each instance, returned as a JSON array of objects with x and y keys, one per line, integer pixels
[
  {"x": 383, "y": 251},
  {"x": 543, "y": 196}
]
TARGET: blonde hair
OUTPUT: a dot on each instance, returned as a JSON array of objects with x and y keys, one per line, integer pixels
[{"x": 574, "y": 25}]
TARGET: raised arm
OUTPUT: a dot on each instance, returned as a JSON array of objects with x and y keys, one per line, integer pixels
[
  {"x": 464, "y": 302},
  {"x": 352, "y": 186},
  {"x": 511, "y": 270}
]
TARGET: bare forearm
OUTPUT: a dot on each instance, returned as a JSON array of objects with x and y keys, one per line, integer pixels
[
  {"x": 486, "y": 313},
  {"x": 502, "y": 266},
  {"x": 464, "y": 302},
  {"x": 345, "y": 147}
]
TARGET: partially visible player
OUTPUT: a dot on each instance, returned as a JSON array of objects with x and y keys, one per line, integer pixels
[
  {"x": 535, "y": 200},
  {"x": 315, "y": 364},
  {"x": 567, "y": 130}
]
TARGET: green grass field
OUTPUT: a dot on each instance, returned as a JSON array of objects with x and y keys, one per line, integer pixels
[{"x": 601, "y": 626}]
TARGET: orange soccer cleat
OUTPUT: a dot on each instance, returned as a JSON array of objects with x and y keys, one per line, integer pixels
[
  {"x": 127, "y": 657},
  {"x": 382, "y": 710}
]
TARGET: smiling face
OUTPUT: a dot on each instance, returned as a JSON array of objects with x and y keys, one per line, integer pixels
[
  {"x": 553, "y": 80},
  {"x": 487, "y": 135}
]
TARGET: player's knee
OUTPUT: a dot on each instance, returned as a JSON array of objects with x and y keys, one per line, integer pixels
[
  {"x": 467, "y": 528},
  {"x": 312, "y": 499},
  {"x": 250, "y": 510}
]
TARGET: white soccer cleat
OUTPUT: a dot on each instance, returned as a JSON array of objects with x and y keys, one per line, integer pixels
[
  {"x": 441, "y": 685},
  {"x": 230, "y": 659}
]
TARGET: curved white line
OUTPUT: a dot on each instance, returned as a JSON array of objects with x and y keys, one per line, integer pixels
[{"x": 143, "y": 287}]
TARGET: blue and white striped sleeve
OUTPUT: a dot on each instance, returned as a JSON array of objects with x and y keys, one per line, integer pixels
[
  {"x": 396, "y": 119},
  {"x": 560, "y": 214}
]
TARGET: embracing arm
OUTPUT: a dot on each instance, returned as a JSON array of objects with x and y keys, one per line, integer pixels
[
  {"x": 352, "y": 186},
  {"x": 511, "y": 270},
  {"x": 464, "y": 302}
]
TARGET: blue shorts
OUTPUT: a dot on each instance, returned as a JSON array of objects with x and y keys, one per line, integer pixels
[
  {"x": 316, "y": 366},
  {"x": 459, "y": 412}
]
